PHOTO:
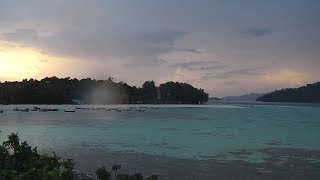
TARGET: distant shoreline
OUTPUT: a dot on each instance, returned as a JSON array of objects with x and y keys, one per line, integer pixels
[
  {"x": 53, "y": 90},
  {"x": 263, "y": 103},
  {"x": 208, "y": 104}
]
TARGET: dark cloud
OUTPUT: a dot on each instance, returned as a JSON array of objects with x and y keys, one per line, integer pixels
[
  {"x": 192, "y": 64},
  {"x": 239, "y": 72},
  {"x": 128, "y": 34},
  {"x": 208, "y": 68},
  {"x": 20, "y": 35},
  {"x": 247, "y": 71},
  {"x": 231, "y": 82},
  {"x": 256, "y": 32},
  {"x": 99, "y": 43},
  {"x": 141, "y": 62},
  {"x": 209, "y": 76},
  {"x": 157, "y": 37},
  {"x": 189, "y": 50},
  {"x": 199, "y": 65}
]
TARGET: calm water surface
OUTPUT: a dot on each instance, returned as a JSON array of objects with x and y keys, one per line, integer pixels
[{"x": 220, "y": 140}]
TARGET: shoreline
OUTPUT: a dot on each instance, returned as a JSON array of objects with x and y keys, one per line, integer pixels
[{"x": 298, "y": 162}]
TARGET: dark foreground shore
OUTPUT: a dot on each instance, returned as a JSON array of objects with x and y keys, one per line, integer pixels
[{"x": 280, "y": 164}]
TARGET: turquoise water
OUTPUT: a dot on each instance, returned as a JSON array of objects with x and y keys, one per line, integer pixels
[{"x": 187, "y": 132}]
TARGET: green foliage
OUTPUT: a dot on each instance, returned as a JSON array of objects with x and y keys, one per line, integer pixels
[
  {"x": 18, "y": 160},
  {"x": 137, "y": 176},
  {"x": 152, "y": 177},
  {"x": 103, "y": 174},
  {"x": 21, "y": 161},
  {"x": 149, "y": 92},
  {"x": 174, "y": 92},
  {"x": 123, "y": 177},
  {"x": 55, "y": 90},
  {"x": 305, "y": 94}
]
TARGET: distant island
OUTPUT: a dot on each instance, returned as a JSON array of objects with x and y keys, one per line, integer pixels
[
  {"x": 214, "y": 99},
  {"x": 53, "y": 90},
  {"x": 305, "y": 94},
  {"x": 246, "y": 97}
]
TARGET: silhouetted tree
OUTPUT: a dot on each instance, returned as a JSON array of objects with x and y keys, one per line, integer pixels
[
  {"x": 306, "y": 94},
  {"x": 18, "y": 160},
  {"x": 152, "y": 177},
  {"x": 149, "y": 92},
  {"x": 53, "y": 90},
  {"x": 115, "y": 168},
  {"x": 103, "y": 174},
  {"x": 174, "y": 92}
]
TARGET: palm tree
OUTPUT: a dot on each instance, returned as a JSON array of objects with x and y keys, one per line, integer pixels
[
  {"x": 103, "y": 174},
  {"x": 115, "y": 168}
]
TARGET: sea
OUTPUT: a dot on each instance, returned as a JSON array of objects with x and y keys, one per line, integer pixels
[{"x": 218, "y": 140}]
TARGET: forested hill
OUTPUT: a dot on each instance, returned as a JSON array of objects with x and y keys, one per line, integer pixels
[
  {"x": 54, "y": 90},
  {"x": 305, "y": 94}
]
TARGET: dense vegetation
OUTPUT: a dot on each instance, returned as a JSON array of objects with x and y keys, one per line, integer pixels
[
  {"x": 65, "y": 91},
  {"x": 18, "y": 160},
  {"x": 21, "y": 161},
  {"x": 305, "y": 94}
]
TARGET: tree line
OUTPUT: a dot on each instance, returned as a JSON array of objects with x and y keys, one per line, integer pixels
[
  {"x": 53, "y": 90},
  {"x": 305, "y": 94}
]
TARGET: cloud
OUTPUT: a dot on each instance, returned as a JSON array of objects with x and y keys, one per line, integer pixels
[
  {"x": 190, "y": 50},
  {"x": 234, "y": 73},
  {"x": 247, "y": 71},
  {"x": 135, "y": 40},
  {"x": 208, "y": 68},
  {"x": 256, "y": 32},
  {"x": 25, "y": 34},
  {"x": 231, "y": 82},
  {"x": 142, "y": 62},
  {"x": 192, "y": 64},
  {"x": 199, "y": 65},
  {"x": 285, "y": 78},
  {"x": 211, "y": 76},
  {"x": 167, "y": 37},
  {"x": 99, "y": 43}
]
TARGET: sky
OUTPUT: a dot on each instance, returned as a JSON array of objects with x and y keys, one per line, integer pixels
[{"x": 227, "y": 47}]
